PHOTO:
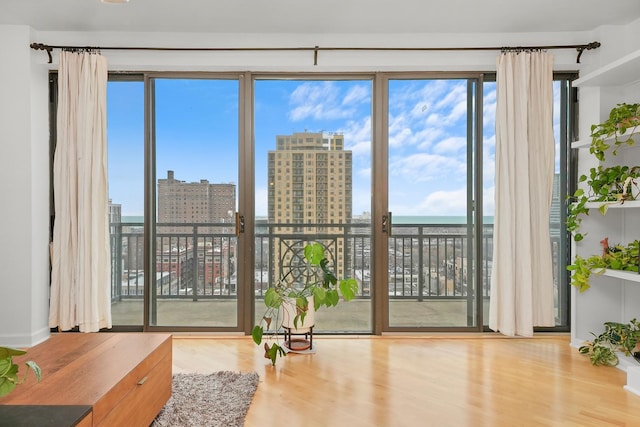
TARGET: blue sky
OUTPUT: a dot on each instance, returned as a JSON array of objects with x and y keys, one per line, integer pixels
[{"x": 197, "y": 134}]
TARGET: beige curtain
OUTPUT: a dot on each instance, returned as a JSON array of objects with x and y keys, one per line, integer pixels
[
  {"x": 522, "y": 276},
  {"x": 81, "y": 276}
]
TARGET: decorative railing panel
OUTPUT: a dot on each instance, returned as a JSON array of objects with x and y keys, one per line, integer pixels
[{"x": 194, "y": 261}]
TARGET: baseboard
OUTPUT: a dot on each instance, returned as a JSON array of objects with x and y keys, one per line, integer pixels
[{"x": 25, "y": 341}]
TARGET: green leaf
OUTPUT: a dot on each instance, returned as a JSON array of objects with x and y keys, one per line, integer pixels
[
  {"x": 256, "y": 334},
  {"x": 35, "y": 369},
  {"x": 319, "y": 295},
  {"x": 5, "y": 366},
  {"x": 6, "y": 386},
  {"x": 314, "y": 253},
  {"x": 273, "y": 352},
  {"x": 616, "y": 264},
  {"x": 348, "y": 288},
  {"x": 329, "y": 278},
  {"x": 272, "y": 299},
  {"x": 332, "y": 298},
  {"x": 299, "y": 319},
  {"x": 603, "y": 208},
  {"x": 10, "y": 352}
]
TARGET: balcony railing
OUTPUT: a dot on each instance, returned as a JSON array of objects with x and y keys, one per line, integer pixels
[{"x": 198, "y": 261}]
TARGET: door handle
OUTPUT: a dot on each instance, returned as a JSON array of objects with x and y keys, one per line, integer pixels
[
  {"x": 386, "y": 223},
  {"x": 239, "y": 224}
]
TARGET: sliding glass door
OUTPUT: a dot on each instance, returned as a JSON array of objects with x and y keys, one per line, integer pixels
[
  {"x": 431, "y": 151},
  {"x": 313, "y": 183},
  {"x": 125, "y": 130},
  {"x": 194, "y": 138},
  {"x": 217, "y": 179}
]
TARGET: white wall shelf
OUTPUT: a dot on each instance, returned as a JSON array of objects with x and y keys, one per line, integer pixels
[
  {"x": 618, "y": 299},
  {"x": 621, "y": 72},
  {"x": 621, "y": 274},
  {"x": 630, "y": 204},
  {"x": 585, "y": 143},
  {"x": 581, "y": 143}
]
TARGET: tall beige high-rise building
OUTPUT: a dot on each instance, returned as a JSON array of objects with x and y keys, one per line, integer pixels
[{"x": 310, "y": 189}]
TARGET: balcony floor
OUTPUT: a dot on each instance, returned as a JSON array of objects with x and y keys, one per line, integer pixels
[{"x": 353, "y": 316}]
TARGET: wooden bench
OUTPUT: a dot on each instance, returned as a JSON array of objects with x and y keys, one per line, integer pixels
[{"x": 125, "y": 378}]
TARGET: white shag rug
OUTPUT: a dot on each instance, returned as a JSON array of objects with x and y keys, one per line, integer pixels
[{"x": 217, "y": 399}]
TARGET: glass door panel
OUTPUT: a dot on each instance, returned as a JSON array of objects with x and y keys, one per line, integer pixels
[
  {"x": 194, "y": 242},
  {"x": 313, "y": 183},
  {"x": 125, "y": 132},
  {"x": 430, "y": 152},
  {"x": 488, "y": 189}
]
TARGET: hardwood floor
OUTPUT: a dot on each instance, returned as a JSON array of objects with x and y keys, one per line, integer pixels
[{"x": 422, "y": 381}]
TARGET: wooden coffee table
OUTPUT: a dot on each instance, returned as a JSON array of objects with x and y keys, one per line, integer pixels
[{"x": 125, "y": 378}]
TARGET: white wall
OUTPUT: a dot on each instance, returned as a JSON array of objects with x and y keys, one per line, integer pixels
[
  {"x": 24, "y": 142},
  {"x": 24, "y": 158},
  {"x": 302, "y": 61}
]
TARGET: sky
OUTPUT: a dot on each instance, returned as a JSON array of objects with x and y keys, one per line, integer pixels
[{"x": 197, "y": 137}]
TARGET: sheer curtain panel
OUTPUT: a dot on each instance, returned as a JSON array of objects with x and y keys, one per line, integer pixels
[
  {"x": 522, "y": 276},
  {"x": 81, "y": 276}
]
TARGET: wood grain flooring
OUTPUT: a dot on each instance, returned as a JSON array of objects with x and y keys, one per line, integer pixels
[{"x": 422, "y": 381}]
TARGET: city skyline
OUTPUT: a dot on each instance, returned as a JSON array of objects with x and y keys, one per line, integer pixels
[{"x": 197, "y": 134}]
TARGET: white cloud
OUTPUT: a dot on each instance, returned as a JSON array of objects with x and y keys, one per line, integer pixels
[
  {"x": 422, "y": 167},
  {"x": 489, "y": 143},
  {"x": 400, "y": 132},
  {"x": 364, "y": 173},
  {"x": 445, "y": 203},
  {"x": 424, "y": 112},
  {"x": 489, "y": 203},
  {"x": 400, "y": 137},
  {"x": 488, "y": 167},
  {"x": 450, "y": 145},
  {"x": 357, "y": 95},
  {"x": 489, "y": 108},
  {"x": 325, "y": 100},
  {"x": 362, "y": 148},
  {"x": 357, "y": 136},
  {"x": 403, "y": 134}
]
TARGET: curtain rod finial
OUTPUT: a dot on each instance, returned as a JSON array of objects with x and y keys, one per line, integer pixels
[
  {"x": 581, "y": 49},
  {"x": 40, "y": 46}
]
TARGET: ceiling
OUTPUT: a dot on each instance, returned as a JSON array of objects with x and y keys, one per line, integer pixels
[{"x": 320, "y": 16}]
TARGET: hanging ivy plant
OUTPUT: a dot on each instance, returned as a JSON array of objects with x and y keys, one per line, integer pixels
[
  {"x": 615, "y": 184},
  {"x": 623, "y": 119},
  {"x": 616, "y": 257}
]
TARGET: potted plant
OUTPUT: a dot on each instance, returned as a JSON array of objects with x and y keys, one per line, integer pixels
[
  {"x": 9, "y": 378},
  {"x": 316, "y": 287},
  {"x": 617, "y": 337},
  {"x": 622, "y": 118}
]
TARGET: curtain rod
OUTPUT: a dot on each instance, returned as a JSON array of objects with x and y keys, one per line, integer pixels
[{"x": 580, "y": 48}]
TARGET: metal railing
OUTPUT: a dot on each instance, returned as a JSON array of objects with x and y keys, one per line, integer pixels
[{"x": 198, "y": 261}]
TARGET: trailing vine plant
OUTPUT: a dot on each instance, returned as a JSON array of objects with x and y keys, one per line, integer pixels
[
  {"x": 9, "y": 377},
  {"x": 615, "y": 257},
  {"x": 623, "y": 118},
  {"x": 615, "y": 184},
  {"x": 622, "y": 337}
]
